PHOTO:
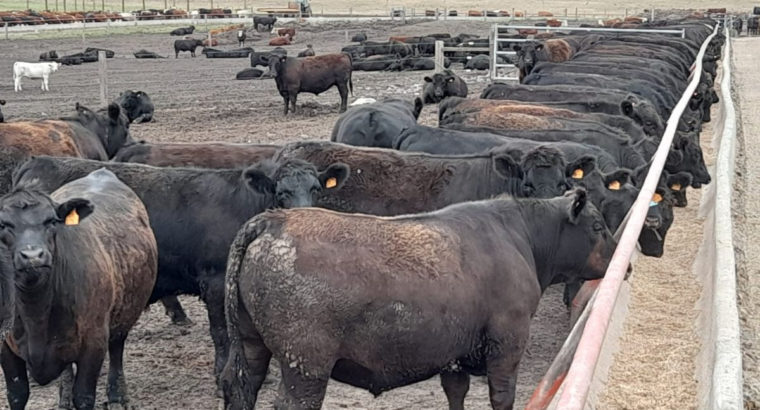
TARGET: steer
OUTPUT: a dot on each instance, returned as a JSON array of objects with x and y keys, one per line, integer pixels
[
  {"x": 267, "y": 22},
  {"x": 376, "y": 124},
  {"x": 182, "y": 31},
  {"x": 83, "y": 262},
  {"x": 34, "y": 71},
  {"x": 381, "y": 303},
  {"x": 186, "y": 45},
  {"x": 442, "y": 85},
  {"x": 201, "y": 155},
  {"x": 136, "y": 105},
  {"x": 532, "y": 52},
  {"x": 193, "y": 241},
  {"x": 312, "y": 75}
]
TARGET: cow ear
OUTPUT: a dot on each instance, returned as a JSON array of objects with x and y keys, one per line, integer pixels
[
  {"x": 614, "y": 180},
  {"x": 417, "y": 107},
  {"x": 334, "y": 176},
  {"x": 283, "y": 58},
  {"x": 428, "y": 79},
  {"x": 675, "y": 156},
  {"x": 539, "y": 47},
  {"x": 259, "y": 181},
  {"x": 113, "y": 111},
  {"x": 626, "y": 107},
  {"x": 580, "y": 167},
  {"x": 678, "y": 181},
  {"x": 579, "y": 199},
  {"x": 74, "y": 210},
  {"x": 506, "y": 167}
]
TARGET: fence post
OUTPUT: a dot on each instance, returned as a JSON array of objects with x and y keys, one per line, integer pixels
[
  {"x": 576, "y": 14},
  {"x": 438, "y": 56},
  {"x": 209, "y": 39},
  {"x": 403, "y": 11},
  {"x": 188, "y": 7},
  {"x": 143, "y": 6},
  {"x": 64, "y": 6},
  {"x": 436, "y": 13},
  {"x": 626, "y": 12},
  {"x": 103, "y": 77},
  {"x": 84, "y": 27},
  {"x": 123, "y": 9},
  {"x": 652, "y": 15},
  {"x": 6, "y": 31},
  {"x": 346, "y": 36}
]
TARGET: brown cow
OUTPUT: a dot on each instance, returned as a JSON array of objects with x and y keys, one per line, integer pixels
[
  {"x": 213, "y": 43},
  {"x": 388, "y": 302},
  {"x": 312, "y": 75},
  {"x": 286, "y": 31},
  {"x": 200, "y": 155},
  {"x": 280, "y": 41},
  {"x": 84, "y": 263},
  {"x": 90, "y": 134},
  {"x": 553, "y": 23},
  {"x": 474, "y": 13},
  {"x": 545, "y": 14}
]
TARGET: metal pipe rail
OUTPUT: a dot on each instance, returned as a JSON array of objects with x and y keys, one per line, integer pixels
[
  {"x": 578, "y": 381},
  {"x": 681, "y": 32}
]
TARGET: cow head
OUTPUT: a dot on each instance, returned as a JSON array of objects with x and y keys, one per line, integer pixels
[
  {"x": 658, "y": 220},
  {"x": 644, "y": 114},
  {"x": 110, "y": 125},
  {"x": 678, "y": 184},
  {"x": 54, "y": 66},
  {"x": 439, "y": 86},
  {"x": 30, "y": 223},
  {"x": 612, "y": 193},
  {"x": 527, "y": 56},
  {"x": 276, "y": 63},
  {"x": 294, "y": 183},
  {"x": 686, "y": 155},
  {"x": 545, "y": 172},
  {"x": 585, "y": 244},
  {"x": 132, "y": 103}
]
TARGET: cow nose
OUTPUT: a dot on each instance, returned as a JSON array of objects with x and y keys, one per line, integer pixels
[
  {"x": 652, "y": 222},
  {"x": 31, "y": 256}
]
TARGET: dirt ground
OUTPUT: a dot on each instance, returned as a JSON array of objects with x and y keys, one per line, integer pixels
[
  {"x": 168, "y": 367},
  {"x": 747, "y": 213}
]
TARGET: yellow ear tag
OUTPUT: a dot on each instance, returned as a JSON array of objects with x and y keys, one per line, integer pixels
[
  {"x": 614, "y": 186},
  {"x": 72, "y": 218},
  {"x": 578, "y": 174},
  {"x": 656, "y": 198},
  {"x": 676, "y": 187},
  {"x": 331, "y": 182}
]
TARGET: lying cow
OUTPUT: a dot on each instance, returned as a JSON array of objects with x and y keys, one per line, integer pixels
[
  {"x": 147, "y": 54},
  {"x": 83, "y": 262},
  {"x": 280, "y": 41},
  {"x": 193, "y": 241},
  {"x": 442, "y": 85},
  {"x": 182, "y": 31},
  {"x": 312, "y": 75},
  {"x": 51, "y": 55},
  {"x": 186, "y": 45},
  {"x": 34, "y": 71},
  {"x": 136, "y": 105},
  {"x": 382, "y": 313}
]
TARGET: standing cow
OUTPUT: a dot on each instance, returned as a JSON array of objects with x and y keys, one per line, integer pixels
[
  {"x": 380, "y": 303},
  {"x": 265, "y": 21},
  {"x": 186, "y": 45},
  {"x": 312, "y": 75},
  {"x": 34, "y": 71},
  {"x": 83, "y": 262},
  {"x": 241, "y": 38}
]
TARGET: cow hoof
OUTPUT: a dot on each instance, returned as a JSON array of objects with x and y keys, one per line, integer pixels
[
  {"x": 183, "y": 322},
  {"x": 115, "y": 406}
]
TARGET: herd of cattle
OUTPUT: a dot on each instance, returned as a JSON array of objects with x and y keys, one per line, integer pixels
[{"x": 390, "y": 254}]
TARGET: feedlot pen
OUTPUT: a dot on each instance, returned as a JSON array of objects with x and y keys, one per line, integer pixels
[{"x": 198, "y": 100}]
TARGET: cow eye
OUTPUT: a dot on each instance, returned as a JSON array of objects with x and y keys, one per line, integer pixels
[{"x": 598, "y": 227}]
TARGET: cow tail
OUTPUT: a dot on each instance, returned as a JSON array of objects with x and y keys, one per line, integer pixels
[
  {"x": 350, "y": 73},
  {"x": 238, "y": 393},
  {"x": 350, "y": 84}
]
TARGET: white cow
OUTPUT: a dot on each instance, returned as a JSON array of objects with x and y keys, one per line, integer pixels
[{"x": 33, "y": 70}]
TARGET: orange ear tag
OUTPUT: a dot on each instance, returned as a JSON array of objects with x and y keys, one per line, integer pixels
[
  {"x": 657, "y": 198},
  {"x": 676, "y": 187},
  {"x": 614, "y": 186},
  {"x": 577, "y": 174},
  {"x": 72, "y": 218},
  {"x": 331, "y": 182}
]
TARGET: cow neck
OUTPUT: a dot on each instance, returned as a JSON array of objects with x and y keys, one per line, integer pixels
[{"x": 544, "y": 229}]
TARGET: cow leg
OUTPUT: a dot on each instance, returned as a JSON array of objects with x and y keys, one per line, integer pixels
[
  {"x": 86, "y": 379},
  {"x": 17, "y": 84},
  {"x": 174, "y": 310},
  {"x": 287, "y": 101},
  {"x": 455, "y": 384},
  {"x": 508, "y": 342},
  {"x": 343, "y": 90},
  {"x": 16, "y": 380},
  {"x": 213, "y": 294},
  {"x": 297, "y": 391},
  {"x": 117, "y": 385},
  {"x": 240, "y": 385},
  {"x": 571, "y": 289},
  {"x": 65, "y": 388},
  {"x": 293, "y": 98}
]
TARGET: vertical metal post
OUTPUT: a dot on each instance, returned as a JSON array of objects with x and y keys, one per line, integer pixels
[
  {"x": 346, "y": 36},
  {"x": 46, "y": 6},
  {"x": 436, "y": 13},
  {"x": 438, "y": 56},
  {"x": 188, "y": 7},
  {"x": 64, "y": 6},
  {"x": 6, "y": 31},
  {"x": 651, "y": 14},
  {"x": 209, "y": 39},
  {"x": 576, "y": 14},
  {"x": 493, "y": 36},
  {"x": 103, "y": 77},
  {"x": 84, "y": 26},
  {"x": 143, "y": 4}
]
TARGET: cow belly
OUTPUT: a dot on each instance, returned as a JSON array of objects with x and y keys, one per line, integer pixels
[{"x": 354, "y": 374}]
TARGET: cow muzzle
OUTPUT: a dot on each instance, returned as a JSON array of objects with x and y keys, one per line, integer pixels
[{"x": 31, "y": 257}]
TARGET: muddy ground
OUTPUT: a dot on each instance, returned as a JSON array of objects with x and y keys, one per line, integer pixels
[{"x": 197, "y": 99}]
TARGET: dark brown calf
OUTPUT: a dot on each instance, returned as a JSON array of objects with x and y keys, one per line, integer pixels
[
  {"x": 280, "y": 41},
  {"x": 312, "y": 75},
  {"x": 282, "y": 32}
]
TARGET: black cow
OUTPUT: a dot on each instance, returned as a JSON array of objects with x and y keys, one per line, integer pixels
[
  {"x": 312, "y": 75},
  {"x": 96, "y": 50},
  {"x": 309, "y": 52},
  {"x": 267, "y": 22},
  {"x": 186, "y": 45},
  {"x": 442, "y": 85},
  {"x": 373, "y": 63},
  {"x": 381, "y": 316},
  {"x": 83, "y": 262},
  {"x": 2, "y": 118},
  {"x": 376, "y": 124},
  {"x": 136, "y": 105},
  {"x": 146, "y": 54},
  {"x": 359, "y": 37},
  {"x": 51, "y": 55},
  {"x": 241, "y": 38},
  {"x": 182, "y": 31},
  {"x": 478, "y": 62},
  {"x": 249, "y": 74},
  {"x": 193, "y": 241}
]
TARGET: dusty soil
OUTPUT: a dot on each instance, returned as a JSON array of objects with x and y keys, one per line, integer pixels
[
  {"x": 747, "y": 213},
  {"x": 199, "y": 100}
]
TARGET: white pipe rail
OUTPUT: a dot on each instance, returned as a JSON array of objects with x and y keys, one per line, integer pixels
[
  {"x": 579, "y": 377},
  {"x": 680, "y": 32}
]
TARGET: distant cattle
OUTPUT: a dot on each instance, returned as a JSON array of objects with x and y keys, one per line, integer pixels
[
  {"x": 35, "y": 71},
  {"x": 478, "y": 62},
  {"x": 309, "y": 52},
  {"x": 282, "y": 32},
  {"x": 183, "y": 31},
  {"x": 51, "y": 55},
  {"x": 2, "y": 118},
  {"x": 234, "y": 53},
  {"x": 96, "y": 50},
  {"x": 312, "y": 75},
  {"x": 266, "y": 22},
  {"x": 136, "y": 105},
  {"x": 241, "y": 38},
  {"x": 531, "y": 53},
  {"x": 359, "y": 37},
  {"x": 186, "y": 45},
  {"x": 210, "y": 43},
  {"x": 376, "y": 124},
  {"x": 201, "y": 155},
  {"x": 146, "y": 54},
  {"x": 442, "y": 85},
  {"x": 387, "y": 314},
  {"x": 249, "y": 74},
  {"x": 280, "y": 41},
  {"x": 222, "y": 200},
  {"x": 83, "y": 264}
]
